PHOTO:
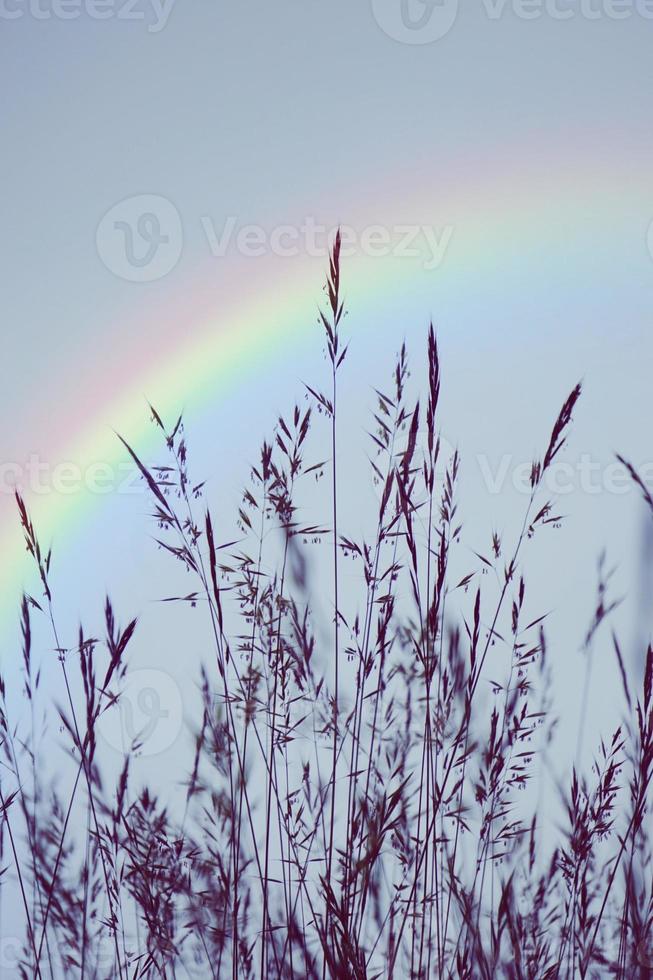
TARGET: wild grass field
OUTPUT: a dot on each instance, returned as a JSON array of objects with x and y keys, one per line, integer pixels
[{"x": 359, "y": 801}]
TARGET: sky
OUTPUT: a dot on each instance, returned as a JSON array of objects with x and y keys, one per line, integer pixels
[{"x": 171, "y": 174}]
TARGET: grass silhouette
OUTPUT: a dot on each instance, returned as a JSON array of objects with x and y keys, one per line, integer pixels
[{"x": 352, "y": 801}]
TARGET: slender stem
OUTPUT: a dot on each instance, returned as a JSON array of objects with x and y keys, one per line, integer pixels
[
  {"x": 334, "y": 762},
  {"x": 5, "y": 811}
]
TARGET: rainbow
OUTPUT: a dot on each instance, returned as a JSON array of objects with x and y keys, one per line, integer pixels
[{"x": 506, "y": 217}]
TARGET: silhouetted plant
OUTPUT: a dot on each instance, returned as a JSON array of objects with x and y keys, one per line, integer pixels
[{"x": 352, "y": 804}]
